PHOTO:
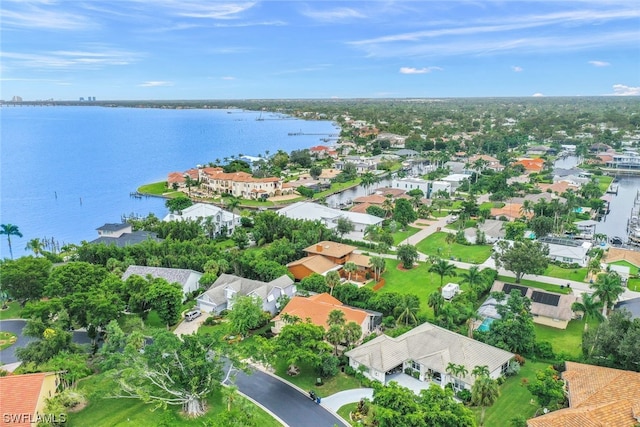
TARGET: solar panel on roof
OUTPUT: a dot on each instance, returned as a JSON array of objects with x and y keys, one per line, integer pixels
[
  {"x": 545, "y": 298},
  {"x": 508, "y": 287}
]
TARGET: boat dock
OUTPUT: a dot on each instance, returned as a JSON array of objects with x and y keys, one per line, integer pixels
[
  {"x": 633, "y": 223},
  {"x": 613, "y": 188}
]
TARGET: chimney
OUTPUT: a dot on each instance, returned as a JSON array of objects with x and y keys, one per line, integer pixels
[{"x": 318, "y": 248}]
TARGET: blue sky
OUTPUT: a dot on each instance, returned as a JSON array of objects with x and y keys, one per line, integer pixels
[{"x": 198, "y": 49}]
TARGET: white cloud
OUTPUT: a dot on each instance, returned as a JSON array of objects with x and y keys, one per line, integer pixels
[
  {"x": 155, "y": 84},
  {"x": 338, "y": 14},
  {"x": 517, "y": 68},
  {"x": 31, "y": 16},
  {"x": 537, "y": 95},
  {"x": 599, "y": 63},
  {"x": 207, "y": 10},
  {"x": 624, "y": 90},
  {"x": 89, "y": 57},
  {"x": 228, "y": 78},
  {"x": 424, "y": 70}
]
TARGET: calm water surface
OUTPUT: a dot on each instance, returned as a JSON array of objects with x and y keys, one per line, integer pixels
[{"x": 67, "y": 170}]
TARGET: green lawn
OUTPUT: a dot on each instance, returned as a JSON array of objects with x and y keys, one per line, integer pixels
[
  {"x": 545, "y": 286},
  {"x": 156, "y": 188},
  {"x": 514, "y": 400},
  {"x": 102, "y": 411},
  {"x": 577, "y": 274},
  {"x": 436, "y": 245},
  {"x": 417, "y": 281},
  {"x": 604, "y": 181},
  {"x": 489, "y": 205},
  {"x": 568, "y": 341},
  {"x": 7, "y": 339},
  {"x": 401, "y": 235},
  {"x": 632, "y": 268},
  {"x": 306, "y": 380},
  {"x": 345, "y": 410},
  {"x": 634, "y": 285},
  {"x": 13, "y": 311},
  {"x": 456, "y": 225}
]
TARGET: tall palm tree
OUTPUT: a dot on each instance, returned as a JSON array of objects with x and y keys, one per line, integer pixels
[
  {"x": 350, "y": 267},
  {"x": 443, "y": 268},
  {"x": 367, "y": 179},
  {"x": 336, "y": 317},
  {"x": 450, "y": 238},
  {"x": 10, "y": 230},
  {"x": 484, "y": 393},
  {"x": 332, "y": 279},
  {"x": 473, "y": 277},
  {"x": 408, "y": 309},
  {"x": 607, "y": 289},
  {"x": 590, "y": 309},
  {"x": 479, "y": 371},
  {"x": 435, "y": 301},
  {"x": 35, "y": 245},
  {"x": 378, "y": 264},
  {"x": 232, "y": 203}
]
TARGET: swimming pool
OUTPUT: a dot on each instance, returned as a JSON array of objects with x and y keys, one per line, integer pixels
[{"x": 486, "y": 323}]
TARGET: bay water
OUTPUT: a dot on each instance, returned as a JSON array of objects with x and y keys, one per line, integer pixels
[{"x": 64, "y": 171}]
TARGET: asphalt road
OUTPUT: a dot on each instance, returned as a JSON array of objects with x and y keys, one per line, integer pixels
[
  {"x": 294, "y": 408},
  {"x": 8, "y": 355}
]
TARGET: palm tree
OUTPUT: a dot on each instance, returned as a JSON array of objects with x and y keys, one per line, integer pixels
[
  {"x": 388, "y": 205},
  {"x": 335, "y": 335},
  {"x": 367, "y": 179},
  {"x": 450, "y": 238},
  {"x": 484, "y": 393},
  {"x": 333, "y": 279},
  {"x": 473, "y": 277},
  {"x": 336, "y": 317},
  {"x": 10, "y": 230},
  {"x": 408, "y": 309},
  {"x": 607, "y": 289},
  {"x": 443, "y": 268},
  {"x": 435, "y": 301},
  {"x": 378, "y": 264},
  {"x": 590, "y": 309},
  {"x": 35, "y": 245},
  {"x": 232, "y": 203},
  {"x": 479, "y": 371},
  {"x": 350, "y": 267},
  {"x": 352, "y": 333},
  {"x": 594, "y": 267}
]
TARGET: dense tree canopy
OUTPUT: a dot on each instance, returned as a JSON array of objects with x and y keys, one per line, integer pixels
[
  {"x": 25, "y": 278},
  {"x": 522, "y": 257}
]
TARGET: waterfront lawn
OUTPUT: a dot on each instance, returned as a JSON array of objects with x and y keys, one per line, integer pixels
[
  {"x": 564, "y": 341},
  {"x": 603, "y": 182},
  {"x": 532, "y": 283},
  {"x": 156, "y": 188},
  {"x": 13, "y": 311},
  {"x": 101, "y": 411},
  {"x": 336, "y": 187},
  {"x": 306, "y": 379},
  {"x": 436, "y": 245},
  {"x": 515, "y": 400},
  {"x": 576, "y": 274},
  {"x": 401, "y": 235}
]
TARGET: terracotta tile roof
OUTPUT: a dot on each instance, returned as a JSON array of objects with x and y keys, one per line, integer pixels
[
  {"x": 598, "y": 396},
  {"x": 20, "y": 395},
  {"x": 360, "y": 208},
  {"x": 176, "y": 177},
  {"x": 360, "y": 260},
  {"x": 219, "y": 174},
  {"x": 510, "y": 211},
  {"x": 534, "y": 165},
  {"x": 619, "y": 254},
  {"x": 332, "y": 249},
  {"x": 374, "y": 199},
  {"x": 395, "y": 192},
  {"x": 316, "y": 263},
  {"x": 318, "y": 307},
  {"x": 559, "y": 187}
]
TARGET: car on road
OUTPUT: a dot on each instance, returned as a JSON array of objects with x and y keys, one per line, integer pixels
[
  {"x": 453, "y": 219},
  {"x": 191, "y": 315}
]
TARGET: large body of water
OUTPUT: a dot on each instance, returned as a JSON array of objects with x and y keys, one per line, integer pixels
[{"x": 64, "y": 171}]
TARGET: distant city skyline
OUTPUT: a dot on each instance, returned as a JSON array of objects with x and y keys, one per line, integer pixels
[{"x": 197, "y": 49}]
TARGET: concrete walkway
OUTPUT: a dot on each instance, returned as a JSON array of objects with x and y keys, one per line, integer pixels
[{"x": 338, "y": 400}]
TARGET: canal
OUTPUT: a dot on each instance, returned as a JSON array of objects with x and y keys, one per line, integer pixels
[{"x": 614, "y": 224}]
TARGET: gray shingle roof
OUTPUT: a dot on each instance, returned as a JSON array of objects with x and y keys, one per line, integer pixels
[
  {"x": 242, "y": 286},
  {"x": 127, "y": 239}
]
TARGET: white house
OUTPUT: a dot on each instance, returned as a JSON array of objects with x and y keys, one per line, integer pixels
[
  {"x": 220, "y": 295},
  {"x": 427, "y": 350},
  {"x": 567, "y": 250},
  {"x": 189, "y": 280},
  {"x": 328, "y": 216},
  {"x": 408, "y": 184},
  {"x": 202, "y": 211}
]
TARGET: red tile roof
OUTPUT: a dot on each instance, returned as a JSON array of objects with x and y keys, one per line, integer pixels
[
  {"x": 317, "y": 309},
  {"x": 19, "y": 396}
]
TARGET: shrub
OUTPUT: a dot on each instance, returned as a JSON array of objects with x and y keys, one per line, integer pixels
[
  {"x": 329, "y": 366},
  {"x": 210, "y": 321},
  {"x": 521, "y": 361},
  {"x": 500, "y": 380},
  {"x": 513, "y": 368},
  {"x": 389, "y": 322},
  {"x": 543, "y": 350},
  {"x": 464, "y": 395}
]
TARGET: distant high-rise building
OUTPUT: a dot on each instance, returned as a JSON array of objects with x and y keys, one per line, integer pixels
[
  {"x": 81, "y": 98},
  {"x": 16, "y": 98}
]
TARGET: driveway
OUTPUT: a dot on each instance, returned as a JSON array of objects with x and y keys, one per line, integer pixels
[
  {"x": 8, "y": 355},
  {"x": 188, "y": 328},
  {"x": 338, "y": 400}
]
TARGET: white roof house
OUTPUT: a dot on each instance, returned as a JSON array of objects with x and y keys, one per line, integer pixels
[
  {"x": 197, "y": 211},
  {"x": 428, "y": 349},
  {"x": 328, "y": 216},
  {"x": 569, "y": 251}
]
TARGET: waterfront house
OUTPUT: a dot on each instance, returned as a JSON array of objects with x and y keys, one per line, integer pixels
[
  {"x": 598, "y": 396},
  {"x": 531, "y": 165},
  {"x": 220, "y": 219},
  {"x": 426, "y": 352},
  {"x": 567, "y": 250},
  {"x": 189, "y": 280},
  {"x": 220, "y": 295},
  {"x": 122, "y": 235},
  {"x": 240, "y": 184},
  {"x": 493, "y": 231},
  {"x": 316, "y": 309},
  {"x": 490, "y": 162},
  {"x": 24, "y": 398}
]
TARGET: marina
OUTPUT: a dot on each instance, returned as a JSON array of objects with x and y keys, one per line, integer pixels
[{"x": 633, "y": 223}]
